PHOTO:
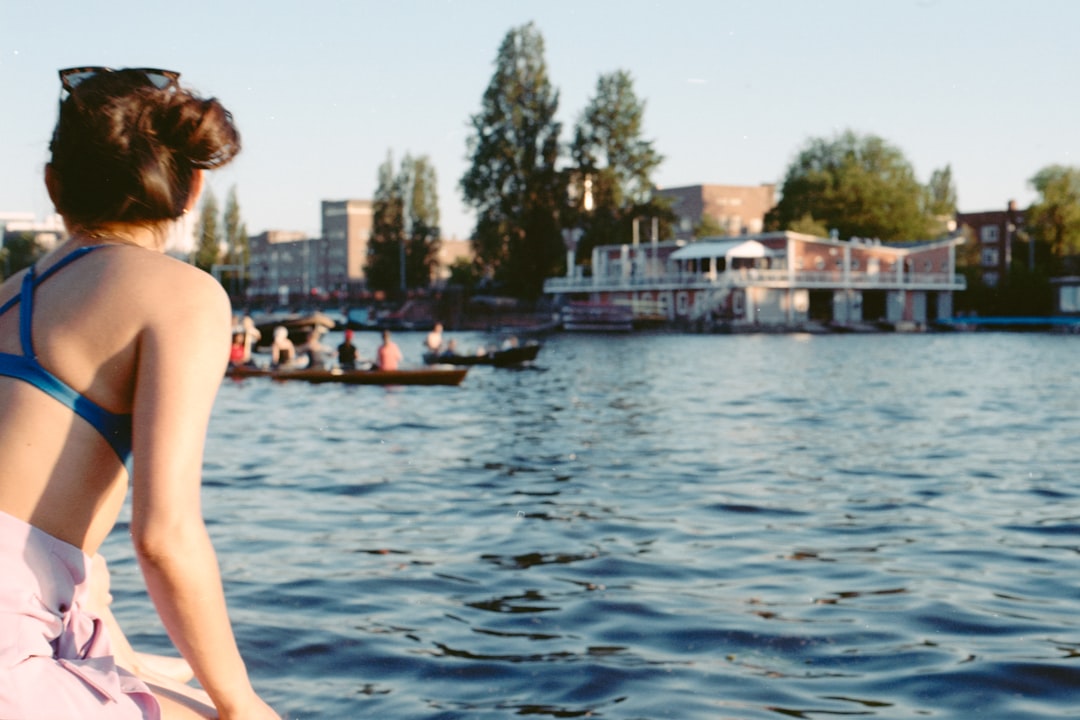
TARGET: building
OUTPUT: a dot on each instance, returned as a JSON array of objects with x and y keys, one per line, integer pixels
[
  {"x": 288, "y": 267},
  {"x": 346, "y": 229},
  {"x": 738, "y": 209},
  {"x": 994, "y": 234},
  {"x": 775, "y": 279},
  {"x": 280, "y": 266},
  {"x": 47, "y": 233}
]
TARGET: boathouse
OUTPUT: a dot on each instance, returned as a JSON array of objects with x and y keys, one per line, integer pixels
[{"x": 774, "y": 279}]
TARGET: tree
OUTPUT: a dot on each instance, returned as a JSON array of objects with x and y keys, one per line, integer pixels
[
  {"x": 512, "y": 182},
  {"x": 422, "y": 256},
  {"x": 1053, "y": 220},
  {"x": 609, "y": 152},
  {"x": 383, "y": 267},
  {"x": 237, "y": 251},
  {"x": 809, "y": 226},
  {"x": 405, "y": 216},
  {"x": 20, "y": 250},
  {"x": 941, "y": 200},
  {"x": 207, "y": 237},
  {"x": 236, "y": 239},
  {"x": 709, "y": 227},
  {"x": 858, "y": 185}
]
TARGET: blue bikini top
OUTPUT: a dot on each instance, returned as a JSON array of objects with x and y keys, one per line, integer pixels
[{"x": 114, "y": 427}]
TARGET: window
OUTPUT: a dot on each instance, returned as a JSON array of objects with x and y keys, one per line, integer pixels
[
  {"x": 988, "y": 233},
  {"x": 854, "y": 263},
  {"x": 819, "y": 263},
  {"x": 1069, "y": 298},
  {"x": 990, "y": 279},
  {"x": 990, "y": 257}
]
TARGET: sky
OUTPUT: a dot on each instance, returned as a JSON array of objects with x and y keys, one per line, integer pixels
[{"x": 323, "y": 91}]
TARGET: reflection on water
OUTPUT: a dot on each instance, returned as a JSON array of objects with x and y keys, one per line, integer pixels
[{"x": 659, "y": 527}]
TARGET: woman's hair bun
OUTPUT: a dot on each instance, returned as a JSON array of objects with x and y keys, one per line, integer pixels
[
  {"x": 199, "y": 131},
  {"x": 127, "y": 151}
]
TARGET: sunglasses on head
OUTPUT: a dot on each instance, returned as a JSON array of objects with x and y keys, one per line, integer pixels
[{"x": 161, "y": 79}]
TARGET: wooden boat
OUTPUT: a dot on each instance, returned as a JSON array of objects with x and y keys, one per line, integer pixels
[
  {"x": 410, "y": 376},
  {"x": 505, "y": 357}
]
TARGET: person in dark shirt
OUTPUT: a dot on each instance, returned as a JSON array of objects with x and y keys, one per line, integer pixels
[{"x": 346, "y": 352}]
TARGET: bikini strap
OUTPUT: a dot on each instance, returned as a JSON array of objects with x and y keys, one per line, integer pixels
[{"x": 26, "y": 296}]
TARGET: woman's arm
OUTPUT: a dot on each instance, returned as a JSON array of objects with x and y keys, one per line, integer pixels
[{"x": 182, "y": 354}]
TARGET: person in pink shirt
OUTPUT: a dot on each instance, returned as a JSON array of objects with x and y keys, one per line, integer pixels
[{"x": 389, "y": 357}]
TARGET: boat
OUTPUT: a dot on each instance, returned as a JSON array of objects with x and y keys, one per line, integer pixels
[
  {"x": 597, "y": 317},
  {"x": 503, "y": 357},
  {"x": 298, "y": 325},
  {"x": 407, "y": 376}
]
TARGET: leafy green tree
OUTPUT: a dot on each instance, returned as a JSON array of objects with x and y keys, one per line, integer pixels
[
  {"x": 237, "y": 251},
  {"x": 20, "y": 250},
  {"x": 418, "y": 175},
  {"x": 941, "y": 200},
  {"x": 941, "y": 193},
  {"x": 207, "y": 235},
  {"x": 1053, "y": 220},
  {"x": 512, "y": 181},
  {"x": 236, "y": 239},
  {"x": 405, "y": 215},
  {"x": 383, "y": 267},
  {"x": 809, "y": 226},
  {"x": 609, "y": 152},
  {"x": 464, "y": 273},
  {"x": 859, "y": 185},
  {"x": 709, "y": 227}
]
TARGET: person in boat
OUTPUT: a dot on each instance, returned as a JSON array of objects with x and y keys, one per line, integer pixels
[
  {"x": 433, "y": 343},
  {"x": 451, "y": 349},
  {"x": 103, "y": 335},
  {"x": 251, "y": 336},
  {"x": 236, "y": 350},
  {"x": 346, "y": 352},
  {"x": 315, "y": 352},
  {"x": 282, "y": 350},
  {"x": 389, "y": 355}
]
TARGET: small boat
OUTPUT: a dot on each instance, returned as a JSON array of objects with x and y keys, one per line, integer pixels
[
  {"x": 415, "y": 376},
  {"x": 504, "y": 357}
]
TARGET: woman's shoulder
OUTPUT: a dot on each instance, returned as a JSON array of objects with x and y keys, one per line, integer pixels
[
  {"x": 154, "y": 267},
  {"x": 165, "y": 284}
]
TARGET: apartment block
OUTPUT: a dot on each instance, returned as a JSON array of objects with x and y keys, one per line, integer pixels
[{"x": 737, "y": 209}]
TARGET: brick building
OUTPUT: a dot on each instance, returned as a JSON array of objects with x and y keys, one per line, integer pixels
[
  {"x": 286, "y": 267},
  {"x": 994, "y": 234},
  {"x": 738, "y": 209}
]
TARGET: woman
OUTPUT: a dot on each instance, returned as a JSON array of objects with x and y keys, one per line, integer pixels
[
  {"x": 111, "y": 353},
  {"x": 282, "y": 350}
]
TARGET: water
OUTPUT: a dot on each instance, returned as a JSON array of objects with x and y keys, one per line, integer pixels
[{"x": 659, "y": 526}]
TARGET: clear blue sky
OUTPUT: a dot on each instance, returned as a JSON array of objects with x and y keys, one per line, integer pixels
[{"x": 323, "y": 89}]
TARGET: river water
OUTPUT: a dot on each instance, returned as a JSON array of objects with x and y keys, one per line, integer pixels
[{"x": 659, "y": 526}]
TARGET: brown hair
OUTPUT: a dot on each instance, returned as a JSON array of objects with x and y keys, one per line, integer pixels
[{"x": 125, "y": 151}]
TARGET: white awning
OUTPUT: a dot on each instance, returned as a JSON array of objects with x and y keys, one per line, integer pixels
[{"x": 724, "y": 249}]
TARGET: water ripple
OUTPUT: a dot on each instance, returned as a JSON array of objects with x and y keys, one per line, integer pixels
[{"x": 659, "y": 526}]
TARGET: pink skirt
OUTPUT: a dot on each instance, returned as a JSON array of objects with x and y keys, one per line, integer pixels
[{"x": 55, "y": 659}]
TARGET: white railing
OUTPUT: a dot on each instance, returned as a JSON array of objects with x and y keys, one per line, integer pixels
[{"x": 754, "y": 277}]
